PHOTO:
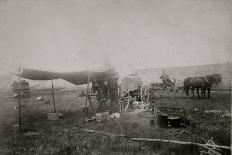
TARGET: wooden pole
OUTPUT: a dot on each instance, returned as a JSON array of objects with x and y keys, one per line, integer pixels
[
  {"x": 19, "y": 102},
  {"x": 158, "y": 140},
  {"x": 53, "y": 98},
  {"x": 87, "y": 94}
]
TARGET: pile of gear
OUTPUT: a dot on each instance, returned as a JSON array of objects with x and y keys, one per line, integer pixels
[{"x": 23, "y": 87}]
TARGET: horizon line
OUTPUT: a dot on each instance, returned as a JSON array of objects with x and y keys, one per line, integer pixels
[{"x": 227, "y": 62}]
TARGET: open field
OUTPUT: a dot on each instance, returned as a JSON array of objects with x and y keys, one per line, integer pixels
[
  {"x": 180, "y": 73},
  {"x": 65, "y": 137}
]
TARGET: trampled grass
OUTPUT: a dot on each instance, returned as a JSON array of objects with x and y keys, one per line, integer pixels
[{"x": 65, "y": 137}]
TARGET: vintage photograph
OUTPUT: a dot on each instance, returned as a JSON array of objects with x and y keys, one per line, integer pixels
[{"x": 115, "y": 77}]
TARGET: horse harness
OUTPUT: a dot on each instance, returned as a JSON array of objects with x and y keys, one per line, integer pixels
[{"x": 206, "y": 80}]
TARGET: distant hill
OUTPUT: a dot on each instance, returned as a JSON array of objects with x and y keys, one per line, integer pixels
[
  {"x": 179, "y": 73},
  {"x": 148, "y": 75}
]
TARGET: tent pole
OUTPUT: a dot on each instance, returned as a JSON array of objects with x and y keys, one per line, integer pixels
[
  {"x": 53, "y": 97},
  {"x": 87, "y": 94},
  {"x": 19, "y": 102}
]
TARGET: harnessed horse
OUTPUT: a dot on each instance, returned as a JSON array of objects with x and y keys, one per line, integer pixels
[{"x": 203, "y": 82}]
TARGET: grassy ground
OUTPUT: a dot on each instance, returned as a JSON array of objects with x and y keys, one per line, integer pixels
[{"x": 65, "y": 137}]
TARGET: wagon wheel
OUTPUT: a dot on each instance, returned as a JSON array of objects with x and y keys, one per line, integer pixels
[
  {"x": 124, "y": 97},
  {"x": 144, "y": 93}
]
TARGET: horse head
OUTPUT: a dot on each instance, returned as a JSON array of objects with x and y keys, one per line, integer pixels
[
  {"x": 218, "y": 79},
  {"x": 214, "y": 79}
]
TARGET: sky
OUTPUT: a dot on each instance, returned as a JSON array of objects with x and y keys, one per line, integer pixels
[{"x": 73, "y": 35}]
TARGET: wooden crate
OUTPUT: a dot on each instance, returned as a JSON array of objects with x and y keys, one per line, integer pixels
[{"x": 53, "y": 116}]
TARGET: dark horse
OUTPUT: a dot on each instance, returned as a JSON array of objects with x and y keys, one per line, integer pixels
[{"x": 204, "y": 83}]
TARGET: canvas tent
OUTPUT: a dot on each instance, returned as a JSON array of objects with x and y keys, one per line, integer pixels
[
  {"x": 103, "y": 81},
  {"x": 77, "y": 78}
]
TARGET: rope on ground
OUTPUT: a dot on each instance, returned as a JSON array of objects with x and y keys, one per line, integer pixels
[
  {"x": 104, "y": 133},
  {"x": 159, "y": 140}
]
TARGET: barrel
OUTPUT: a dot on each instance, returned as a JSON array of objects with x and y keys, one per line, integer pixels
[
  {"x": 99, "y": 117},
  {"x": 105, "y": 116}
]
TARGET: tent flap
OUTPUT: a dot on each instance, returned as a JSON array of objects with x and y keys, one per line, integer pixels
[{"x": 33, "y": 74}]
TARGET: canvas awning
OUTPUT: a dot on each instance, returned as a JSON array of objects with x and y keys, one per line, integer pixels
[{"x": 77, "y": 78}]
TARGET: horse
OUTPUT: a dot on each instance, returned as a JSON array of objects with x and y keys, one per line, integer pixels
[{"x": 202, "y": 82}]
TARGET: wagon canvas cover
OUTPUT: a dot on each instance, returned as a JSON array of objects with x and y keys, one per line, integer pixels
[
  {"x": 77, "y": 78},
  {"x": 133, "y": 82}
]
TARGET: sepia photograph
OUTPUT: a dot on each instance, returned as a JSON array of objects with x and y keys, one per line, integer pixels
[{"x": 115, "y": 77}]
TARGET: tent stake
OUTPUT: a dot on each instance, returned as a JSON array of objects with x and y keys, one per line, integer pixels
[{"x": 53, "y": 97}]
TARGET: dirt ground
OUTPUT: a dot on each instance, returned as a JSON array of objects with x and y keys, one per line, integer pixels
[{"x": 65, "y": 137}]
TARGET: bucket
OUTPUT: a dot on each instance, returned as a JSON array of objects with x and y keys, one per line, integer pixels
[
  {"x": 155, "y": 111},
  {"x": 99, "y": 117},
  {"x": 16, "y": 130},
  {"x": 162, "y": 120},
  {"x": 105, "y": 116}
]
